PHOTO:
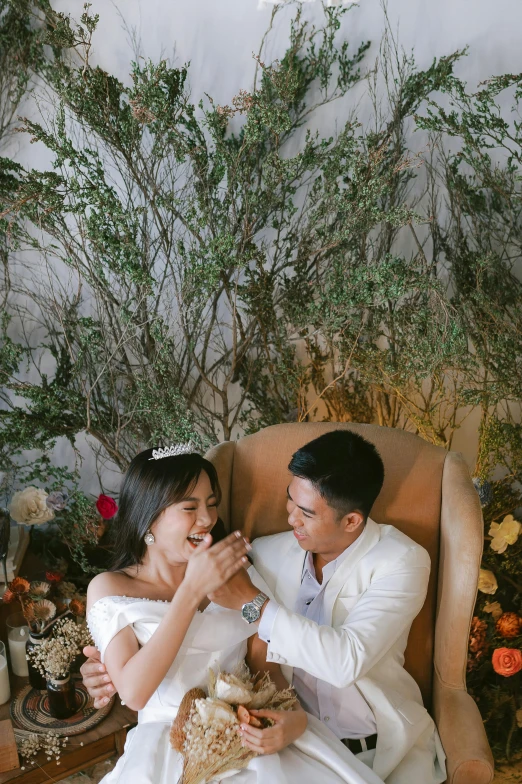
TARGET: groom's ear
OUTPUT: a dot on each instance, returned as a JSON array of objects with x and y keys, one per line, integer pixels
[{"x": 352, "y": 521}]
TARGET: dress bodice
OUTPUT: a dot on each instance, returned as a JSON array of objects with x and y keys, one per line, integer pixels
[{"x": 216, "y": 639}]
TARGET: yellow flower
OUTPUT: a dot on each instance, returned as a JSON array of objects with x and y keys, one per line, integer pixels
[
  {"x": 494, "y": 608},
  {"x": 487, "y": 581},
  {"x": 28, "y": 507},
  {"x": 504, "y": 533}
]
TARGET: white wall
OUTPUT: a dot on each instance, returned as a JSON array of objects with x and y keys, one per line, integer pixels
[{"x": 218, "y": 37}]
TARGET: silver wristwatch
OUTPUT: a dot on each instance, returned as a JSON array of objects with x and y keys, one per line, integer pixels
[{"x": 251, "y": 611}]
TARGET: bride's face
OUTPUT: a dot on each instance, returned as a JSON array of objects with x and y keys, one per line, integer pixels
[{"x": 180, "y": 528}]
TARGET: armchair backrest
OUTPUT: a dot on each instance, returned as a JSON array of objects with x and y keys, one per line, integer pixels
[{"x": 254, "y": 476}]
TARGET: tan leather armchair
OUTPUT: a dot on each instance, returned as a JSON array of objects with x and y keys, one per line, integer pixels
[{"x": 428, "y": 494}]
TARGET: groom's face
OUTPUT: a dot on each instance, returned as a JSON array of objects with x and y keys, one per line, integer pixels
[{"x": 317, "y": 526}]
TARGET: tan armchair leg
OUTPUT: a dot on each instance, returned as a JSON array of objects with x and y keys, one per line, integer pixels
[{"x": 469, "y": 759}]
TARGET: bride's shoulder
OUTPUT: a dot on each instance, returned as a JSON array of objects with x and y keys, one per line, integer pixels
[{"x": 105, "y": 585}]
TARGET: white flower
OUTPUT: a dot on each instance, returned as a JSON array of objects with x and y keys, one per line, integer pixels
[
  {"x": 39, "y": 588},
  {"x": 211, "y": 710},
  {"x": 28, "y": 507},
  {"x": 232, "y": 690},
  {"x": 487, "y": 581},
  {"x": 504, "y": 533}
]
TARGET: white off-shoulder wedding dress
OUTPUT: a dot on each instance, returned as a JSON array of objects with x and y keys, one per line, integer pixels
[{"x": 216, "y": 639}]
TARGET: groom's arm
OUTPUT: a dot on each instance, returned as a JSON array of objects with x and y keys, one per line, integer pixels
[{"x": 344, "y": 654}]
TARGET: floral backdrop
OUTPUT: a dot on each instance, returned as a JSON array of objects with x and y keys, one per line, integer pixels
[{"x": 495, "y": 642}]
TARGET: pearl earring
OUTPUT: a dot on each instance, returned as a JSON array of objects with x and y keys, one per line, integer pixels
[{"x": 149, "y": 537}]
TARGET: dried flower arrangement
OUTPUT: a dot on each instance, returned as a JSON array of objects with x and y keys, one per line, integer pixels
[
  {"x": 205, "y": 729},
  {"x": 54, "y": 657},
  {"x": 43, "y": 601}
]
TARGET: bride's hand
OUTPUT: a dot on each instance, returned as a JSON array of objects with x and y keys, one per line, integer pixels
[
  {"x": 288, "y": 726},
  {"x": 211, "y": 566}
]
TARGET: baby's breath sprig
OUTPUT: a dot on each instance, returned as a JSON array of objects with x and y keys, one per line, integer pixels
[
  {"x": 30, "y": 743},
  {"x": 53, "y": 658}
]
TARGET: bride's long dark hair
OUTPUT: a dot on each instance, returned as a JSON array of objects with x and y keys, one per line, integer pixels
[{"x": 149, "y": 487}]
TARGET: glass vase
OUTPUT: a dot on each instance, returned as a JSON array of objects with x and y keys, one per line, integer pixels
[{"x": 61, "y": 696}]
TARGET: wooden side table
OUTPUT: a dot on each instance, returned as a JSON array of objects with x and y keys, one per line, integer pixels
[{"x": 100, "y": 743}]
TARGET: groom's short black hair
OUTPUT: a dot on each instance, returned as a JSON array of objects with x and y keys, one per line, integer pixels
[{"x": 344, "y": 467}]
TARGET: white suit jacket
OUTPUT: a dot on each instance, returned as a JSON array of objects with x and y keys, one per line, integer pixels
[{"x": 371, "y": 601}]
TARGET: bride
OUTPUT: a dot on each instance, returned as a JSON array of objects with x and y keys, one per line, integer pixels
[{"x": 158, "y": 634}]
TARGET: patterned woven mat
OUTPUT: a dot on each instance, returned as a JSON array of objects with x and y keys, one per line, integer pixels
[{"x": 30, "y": 711}]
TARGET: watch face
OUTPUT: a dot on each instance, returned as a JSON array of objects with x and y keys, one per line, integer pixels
[{"x": 250, "y": 612}]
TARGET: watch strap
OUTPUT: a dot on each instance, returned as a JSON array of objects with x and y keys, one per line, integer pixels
[{"x": 259, "y": 600}]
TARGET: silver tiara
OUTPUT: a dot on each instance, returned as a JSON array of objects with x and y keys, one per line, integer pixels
[{"x": 173, "y": 451}]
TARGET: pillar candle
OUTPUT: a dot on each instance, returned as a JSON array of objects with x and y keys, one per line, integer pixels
[
  {"x": 5, "y": 691},
  {"x": 17, "y": 638}
]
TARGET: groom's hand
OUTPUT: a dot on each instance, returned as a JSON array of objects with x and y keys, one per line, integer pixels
[
  {"x": 236, "y": 592},
  {"x": 287, "y": 727}
]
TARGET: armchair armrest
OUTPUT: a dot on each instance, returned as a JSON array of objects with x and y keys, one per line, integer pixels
[
  {"x": 461, "y": 730},
  {"x": 468, "y": 756}
]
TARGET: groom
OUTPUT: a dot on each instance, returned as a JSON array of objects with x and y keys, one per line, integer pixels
[{"x": 340, "y": 597}]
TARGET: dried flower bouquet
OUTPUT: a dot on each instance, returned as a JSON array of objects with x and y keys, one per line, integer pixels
[
  {"x": 205, "y": 729},
  {"x": 39, "y": 603}
]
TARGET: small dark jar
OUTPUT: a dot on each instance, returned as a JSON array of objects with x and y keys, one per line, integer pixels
[
  {"x": 62, "y": 698},
  {"x": 36, "y": 679}
]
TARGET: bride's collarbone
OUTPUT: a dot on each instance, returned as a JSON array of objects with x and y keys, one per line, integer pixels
[{"x": 135, "y": 588}]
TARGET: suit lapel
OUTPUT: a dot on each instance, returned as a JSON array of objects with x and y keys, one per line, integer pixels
[
  {"x": 367, "y": 540},
  {"x": 291, "y": 570},
  {"x": 289, "y": 577}
]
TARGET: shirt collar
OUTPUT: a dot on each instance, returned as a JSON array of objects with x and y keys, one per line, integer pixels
[{"x": 329, "y": 569}]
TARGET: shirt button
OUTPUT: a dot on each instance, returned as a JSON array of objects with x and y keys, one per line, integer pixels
[{"x": 326, "y": 718}]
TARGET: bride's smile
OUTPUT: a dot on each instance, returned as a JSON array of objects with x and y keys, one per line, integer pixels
[{"x": 182, "y": 526}]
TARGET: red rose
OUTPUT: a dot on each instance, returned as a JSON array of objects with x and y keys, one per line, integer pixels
[
  {"x": 507, "y": 661},
  {"x": 106, "y": 506},
  {"x": 53, "y": 577}
]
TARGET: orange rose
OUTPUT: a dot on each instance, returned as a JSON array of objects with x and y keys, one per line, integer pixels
[
  {"x": 507, "y": 661},
  {"x": 509, "y": 625}
]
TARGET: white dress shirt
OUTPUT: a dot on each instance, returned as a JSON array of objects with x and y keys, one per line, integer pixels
[{"x": 344, "y": 711}]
